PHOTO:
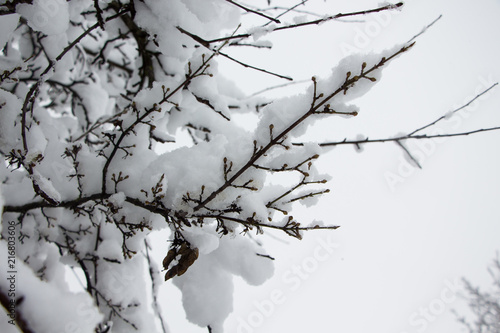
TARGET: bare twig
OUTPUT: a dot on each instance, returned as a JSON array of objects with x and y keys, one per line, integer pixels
[
  {"x": 454, "y": 111},
  {"x": 314, "y": 22},
  {"x": 255, "y": 223},
  {"x": 85, "y": 33},
  {"x": 253, "y": 11},
  {"x": 424, "y": 29},
  {"x": 398, "y": 142},
  {"x": 277, "y": 87},
  {"x": 256, "y": 68},
  {"x": 413, "y": 134},
  {"x": 400, "y": 138},
  {"x": 287, "y": 10},
  {"x": 207, "y": 45},
  {"x": 156, "y": 306}
]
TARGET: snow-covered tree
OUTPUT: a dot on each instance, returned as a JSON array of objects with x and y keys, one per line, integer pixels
[
  {"x": 484, "y": 305},
  {"x": 97, "y": 99}
]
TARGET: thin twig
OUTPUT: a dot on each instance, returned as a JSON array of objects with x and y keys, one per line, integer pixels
[
  {"x": 88, "y": 31},
  {"x": 425, "y": 29},
  {"x": 156, "y": 306},
  {"x": 412, "y": 135},
  {"x": 256, "y": 68},
  {"x": 289, "y": 10},
  {"x": 100, "y": 123},
  {"x": 454, "y": 111},
  {"x": 401, "y": 138},
  {"x": 264, "y": 225},
  {"x": 277, "y": 87},
  {"x": 315, "y": 22},
  {"x": 398, "y": 142},
  {"x": 207, "y": 45},
  {"x": 253, "y": 11}
]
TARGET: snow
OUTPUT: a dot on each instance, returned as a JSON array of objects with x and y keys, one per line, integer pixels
[
  {"x": 46, "y": 186},
  {"x": 37, "y": 143},
  {"x": 76, "y": 7},
  {"x": 209, "y": 301},
  {"x": 38, "y": 307},
  {"x": 99, "y": 106},
  {"x": 186, "y": 170},
  {"x": 117, "y": 199},
  {"x": 89, "y": 165},
  {"x": 7, "y": 26},
  {"x": 353, "y": 64},
  {"x": 206, "y": 301},
  {"x": 260, "y": 31},
  {"x": 10, "y": 104},
  {"x": 206, "y": 241},
  {"x": 50, "y": 17},
  {"x": 207, "y": 10},
  {"x": 283, "y": 113},
  {"x": 124, "y": 284},
  {"x": 300, "y": 19}
]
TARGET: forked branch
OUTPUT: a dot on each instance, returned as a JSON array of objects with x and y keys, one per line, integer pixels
[
  {"x": 314, "y": 22},
  {"x": 413, "y": 134},
  {"x": 318, "y": 102}
]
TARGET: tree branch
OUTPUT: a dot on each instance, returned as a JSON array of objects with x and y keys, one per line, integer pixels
[
  {"x": 207, "y": 45},
  {"x": 348, "y": 83},
  {"x": 29, "y": 100},
  {"x": 412, "y": 135},
  {"x": 454, "y": 111},
  {"x": 314, "y": 22},
  {"x": 400, "y": 138},
  {"x": 253, "y": 11},
  {"x": 287, "y": 10},
  {"x": 408, "y": 153},
  {"x": 425, "y": 29},
  {"x": 167, "y": 95},
  {"x": 255, "y": 223}
]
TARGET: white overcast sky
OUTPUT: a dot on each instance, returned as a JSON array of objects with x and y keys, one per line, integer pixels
[{"x": 398, "y": 250}]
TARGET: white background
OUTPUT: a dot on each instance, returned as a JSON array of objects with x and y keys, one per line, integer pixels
[{"x": 398, "y": 249}]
